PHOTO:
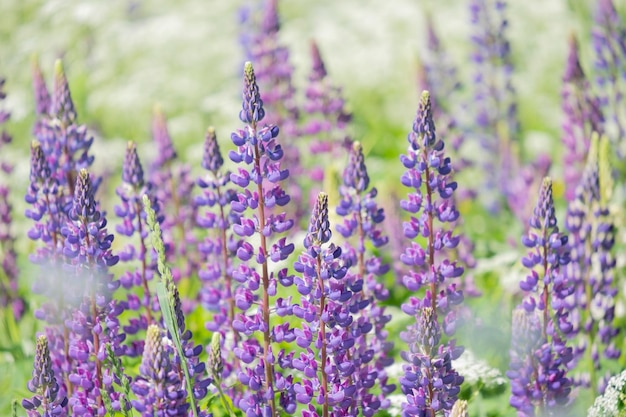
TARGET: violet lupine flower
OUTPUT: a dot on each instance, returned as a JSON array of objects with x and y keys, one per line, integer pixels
[
  {"x": 592, "y": 265},
  {"x": 43, "y": 101},
  {"x": 274, "y": 71},
  {"x": 219, "y": 249},
  {"x": 65, "y": 143},
  {"x": 9, "y": 296},
  {"x": 159, "y": 388},
  {"x": 173, "y": 186},
  {"x": 260, "y": 154},
  {"x": 494, "y": 96},
  {"x": 609, "y": 44},
  {"x": 46, "y": 402},
  {"x": 538, "y": 376},
  {"x": 362, "y": 219},
  {"x": 94, "y": 313},
  {"x": 430, "y": 383},
  {"x": 327, "y": 116},
  {"x": 133, "y": 226},
  {"x": 325, "y": 309},
  {"x": 582, "y": 117}
]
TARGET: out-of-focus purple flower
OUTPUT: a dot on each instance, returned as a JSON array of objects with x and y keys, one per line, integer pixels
[
  {"x": 494, "y": 104},
  {"x": 361, "y": 227},
  {"x": 527, "y": 180},
  {"x": 219, "y": 250},
  {"x": 538, "y": 374},
  {"x": 46, "y": 402},
  {"x": 609, "y": 44},
  {"x": 134, "y": 226},
  {"x": 9, "y": 296},
  {"x": 43, "y": 101},
  {"x": 174, "y": 186},
  {"x": 592, "y": 230},
  {"x": 259, "y": 176},
  {"x": 429, "y": 369},
  {"x": 582, "y": 117},
  {"x": 326, "y": 117},
  {"x": 324, "y": 334}
]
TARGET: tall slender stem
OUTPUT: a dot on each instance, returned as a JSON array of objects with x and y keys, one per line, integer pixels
[
  {"x": 323, "y": 336},
  {"x": 144, "y": 266}
]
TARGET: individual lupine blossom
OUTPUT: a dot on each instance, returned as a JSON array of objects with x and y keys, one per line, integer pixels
[
  {"x": 219, "y": 249},
  {"x": 430, "y": 383},
  {"x": 582, "y": 117},
  {"x": 46, "y": 402},
  {"x": 539, "y": 381},
  {"x": 274, "y": 71},
  {"x": 173, "y": 184},
  {"x": 609, "y": 44},
  {"x": 324, "y": 332},
  {"x": 133, "y": 226},
  {"x": 65, "y": 143},
  {"x": 361, "y": 227},
  {"x": 159, "y": 387},
  {"x": 259, "y": 177},
  {"x": 592, "y": 265},
  {"x": 9, "y": 272},
  {"x": 94, "y": 313},
  {"x": 496, "y": 125},
  {"x": 326, "y": 117}
]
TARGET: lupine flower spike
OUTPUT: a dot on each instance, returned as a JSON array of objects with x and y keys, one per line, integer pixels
[
  {"x": 593, "y": 231},
  {"x": 361, "y": 228},
  {"x": 582, "y": 117},
  {"x": 539, "y": 353},
  {"x": 46, "y": 402},
  {"x": 324, "y": 333},
  {"x": 259, "y": 154},
  {"x": 609, "y": 44},
  {"x": 430, "y": 383},
  {"x": 219, "y": 251},
  {"x": 133, "y": 226}
]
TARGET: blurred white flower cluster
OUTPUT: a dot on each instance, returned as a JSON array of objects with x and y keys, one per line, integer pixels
[{"x": 613, "y": 402}]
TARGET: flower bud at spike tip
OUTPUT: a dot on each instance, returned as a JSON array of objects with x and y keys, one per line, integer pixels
[
  {"x": 355, "y": 174},
  {"x": 319, "y": 226},
  {"x": 132, "y": 171},
  {"x": 62, "y": 104},
  {"x": 252, "y": 109},
  {"x": 424, "y": 124},
  {"x": 216, "y": 366},
  {"x": 459, "y": 409},
  {"x": 212, "y": 158}
]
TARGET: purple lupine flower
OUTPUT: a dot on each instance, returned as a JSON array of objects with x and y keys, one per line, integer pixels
[
  {"x": 219, "y": 249},
  {"x": 324, "y": 333},
  {"x": 159, "y": 387},
  {"x": 609, "y": 44},
  {"x": 592, "y": 265},
  {"x": 65, "y": 143},
  {"x": 528, "y": 179},
  {"x": 582, "y": 117},
  {"x": 94, "y": 313},
  {"x": 326, "y": 116},
  {"x": 133, "y": 226},
  {"x": 9, "y": 296},
  {"x": 545, "y": 387},
  {"x": 46, "y": 402},
  {"x": 274, "y": 71},
  {"x": 494, "y": 102},
  {"x": 260, "y": 154},
  {"x": 362, "y": 219},
  {"x": 430, "y": 383},
  {"x": 43, "y": 101},
  {"x": 173, "y": 185}
]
